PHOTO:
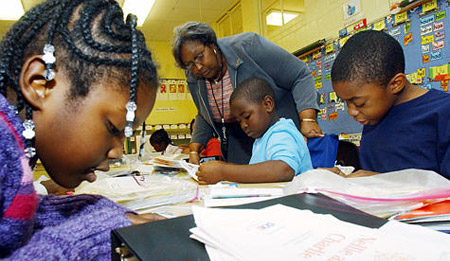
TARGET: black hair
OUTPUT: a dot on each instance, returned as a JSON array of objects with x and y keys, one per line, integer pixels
[
  {"x": 160, "y": 136},
  {"x": 191, "y": 31},
  {"x": 92, "y": 44},
  {"x": 369, "y": 57},
  {"x": 253, "y": 90}
]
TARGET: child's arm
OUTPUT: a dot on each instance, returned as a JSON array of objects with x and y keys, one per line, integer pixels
[{"x": 268, "y": 171}]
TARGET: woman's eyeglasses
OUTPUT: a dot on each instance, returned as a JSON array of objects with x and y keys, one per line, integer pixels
[{"x": 197, "y": 61}]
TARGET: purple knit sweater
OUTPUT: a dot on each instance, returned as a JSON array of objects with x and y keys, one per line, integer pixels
[{"x": 48, "y": 227}]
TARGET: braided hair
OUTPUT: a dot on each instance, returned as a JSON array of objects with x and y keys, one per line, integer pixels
[{"x": 91, "y": 41}]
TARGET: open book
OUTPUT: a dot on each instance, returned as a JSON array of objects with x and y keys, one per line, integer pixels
[{"x": 176, "y": 164}]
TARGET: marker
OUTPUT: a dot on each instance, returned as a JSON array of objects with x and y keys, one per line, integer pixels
[{"x": 242, "y": 196}]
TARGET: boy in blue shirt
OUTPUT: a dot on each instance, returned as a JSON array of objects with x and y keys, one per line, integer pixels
[
  {"x": 279, "y": 150},
  {"x": 405, "y": 126}
]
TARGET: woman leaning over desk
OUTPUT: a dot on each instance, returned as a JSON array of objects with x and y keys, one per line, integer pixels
[{"x": 215, "y": 67}]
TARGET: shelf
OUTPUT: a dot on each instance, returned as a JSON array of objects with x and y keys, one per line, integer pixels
[{"x": 411, "y": 6}]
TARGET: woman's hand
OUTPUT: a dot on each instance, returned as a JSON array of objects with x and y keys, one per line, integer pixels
[
  {"x": 194, "y": 157},
  {"x": 143, "y": 218},
  {"x": 310, "y": 129},
  {"x": 210, "y": 172},
  {"x": 308, "y": 124},
  {"x": 194, "y": 154}
]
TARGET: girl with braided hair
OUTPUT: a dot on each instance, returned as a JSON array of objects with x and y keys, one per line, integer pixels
[{"x": 75, "y": 80}]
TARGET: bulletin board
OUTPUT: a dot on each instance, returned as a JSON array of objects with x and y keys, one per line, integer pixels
[
  {"x": 174, "y": 104},
  {"x": 423, "y": 32}
]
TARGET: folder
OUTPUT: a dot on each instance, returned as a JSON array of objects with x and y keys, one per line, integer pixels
[{"x": 169, "y": 239}]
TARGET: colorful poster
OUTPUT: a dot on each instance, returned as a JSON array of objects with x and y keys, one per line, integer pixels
[
  {"x": 360, "y": 25},
  {"x": 163, "y": 91},
  {"x": 329, "y": 48},
  {"x": 352, "y": 11},
  {"x": 438, "y": 26},
  {"x": 438, "y": 45},
  {"x": 439, "y": 35},
  {"x": 379, "y": 26},
  {"x": 429, "y": 6},
  {"x": 407, "y": 27},
  {"x": 439, "y": 15},
  {"x": 173, "y": 90},
  {"x": 436, "y": 55},
  {"x": 444, "y": 85},
  {"x": 426, "y": 20},
  {"x": 394, "y": 31},
  {"x": 426, "y": 29},
  {"x": 427, "y": 39},
  {"x": 181, "y": 90},
  {"x": 400, "y": 18},
  {"x": 342, "y": 41},
  {"x": 438, "y": 70},
  {"x": 407, "y": 39}
]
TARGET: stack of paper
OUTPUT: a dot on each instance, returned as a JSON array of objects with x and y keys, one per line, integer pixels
[
  {"x": 138, "y": 192},
  {"x": 284, "y": 233}
]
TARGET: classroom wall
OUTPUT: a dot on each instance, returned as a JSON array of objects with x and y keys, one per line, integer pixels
[
  {"x": 169, "y": 111},
  {"x": 322, "y": 19}
]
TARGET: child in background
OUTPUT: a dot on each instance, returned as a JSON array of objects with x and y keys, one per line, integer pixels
[
  {"x": 162, "y": 143},
  {"x": 212, "y": 148},
  {"x": 80, "y": 79},
  {"x": 405, "y": 126},
  {"x": 279, "y": 151}
]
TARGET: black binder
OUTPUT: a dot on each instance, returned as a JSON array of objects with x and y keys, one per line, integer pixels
[{"x": 169, "y": 239}]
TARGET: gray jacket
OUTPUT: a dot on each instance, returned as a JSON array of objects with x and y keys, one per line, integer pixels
[{"x": 250, "y": 55}]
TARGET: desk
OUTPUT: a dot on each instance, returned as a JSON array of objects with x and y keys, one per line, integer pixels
[{"x": 169, "y": 239}]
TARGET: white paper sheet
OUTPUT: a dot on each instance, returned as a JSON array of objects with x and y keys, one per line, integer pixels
[{"x": 284, "y": 233}]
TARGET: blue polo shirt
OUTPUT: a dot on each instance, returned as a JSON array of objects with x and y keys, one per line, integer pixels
[{"x": 282, "y": 141}]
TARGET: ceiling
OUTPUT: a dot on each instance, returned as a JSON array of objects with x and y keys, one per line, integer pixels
[{"x": 164, "y": 16}]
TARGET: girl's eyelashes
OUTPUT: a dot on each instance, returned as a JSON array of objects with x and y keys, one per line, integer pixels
[{"x": 113, "y": 129}]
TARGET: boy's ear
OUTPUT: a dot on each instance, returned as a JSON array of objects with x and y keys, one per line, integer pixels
[
  {"x": 397, "y": 83},
  {"x": 268, "y": 103},
  {"x": 32, "y": 82}
]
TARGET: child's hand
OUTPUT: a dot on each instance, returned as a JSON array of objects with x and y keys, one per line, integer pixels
[
  {"x": 356, "y": 174},
  {"x": 143, "y": 218},
  {"x": 362, "y": 173},
  {"x": 210, "y": 172}
]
